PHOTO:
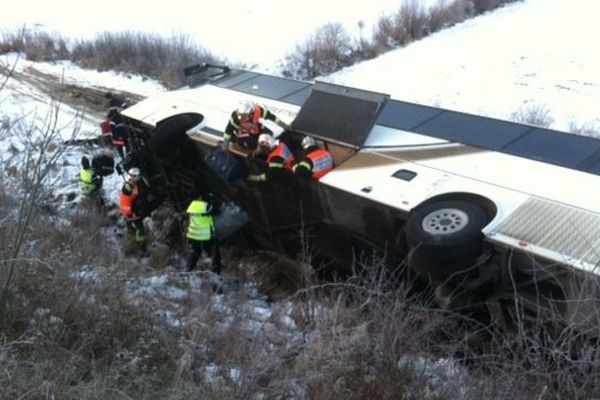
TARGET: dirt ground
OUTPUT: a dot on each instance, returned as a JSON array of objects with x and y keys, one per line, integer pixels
[{"x": 89, "y": 99}]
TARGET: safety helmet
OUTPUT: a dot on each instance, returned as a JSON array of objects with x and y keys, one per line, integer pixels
[
  {"x": 134, "y": 173},
  {"x": 244, "y": 107},
  {"x": 266, "y": 140},
  {"x": 307, "y": 142}
]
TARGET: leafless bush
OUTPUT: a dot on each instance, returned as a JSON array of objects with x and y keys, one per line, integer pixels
[
  {"x": 445, "y": 14},
  {"x": 584, "y": 129},
  {"x": 36, "y": 45},
  {"x": 141, "y": 53},
  {"x": 328, "y": 49},
  {"x": 533, "y": 114},
  {"x": 481, "y": 6},
  {"x": 151, "y": 55},
  {"x": 318, "y": 55}
]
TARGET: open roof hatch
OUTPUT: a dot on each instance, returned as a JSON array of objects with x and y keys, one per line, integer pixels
[{"x": 339, "y": 114}]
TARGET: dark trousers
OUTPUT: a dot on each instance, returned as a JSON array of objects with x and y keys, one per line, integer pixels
[
  {"x": 210, "y": 248},
  {"x": 135, "y": 228}
]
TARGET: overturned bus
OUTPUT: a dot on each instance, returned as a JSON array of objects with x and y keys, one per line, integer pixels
[{"x": 496, "y": 215}]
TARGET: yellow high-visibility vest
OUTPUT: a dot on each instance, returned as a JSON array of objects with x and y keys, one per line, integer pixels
[{"x": 202, "y": 226}]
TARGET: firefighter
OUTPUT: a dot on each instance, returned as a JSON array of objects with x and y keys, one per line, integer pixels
[
  {"x": 91, "y": 182},
  {"x": 201, "y": 234},
  {"x": 130, "y": 193},
  {"x": 118, "y": 129},
  {"x": 245, "y": 125},
  {"x": 316, "y": 161},
  {"x": 278, "y": 155}
]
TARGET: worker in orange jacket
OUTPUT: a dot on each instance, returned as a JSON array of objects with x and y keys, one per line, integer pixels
[
  {"x": 245, "y": 125},
  {"x": 277, "y": 154},
  {"x": 130, "y": 193},
  {"x": 316, "y": 161}
]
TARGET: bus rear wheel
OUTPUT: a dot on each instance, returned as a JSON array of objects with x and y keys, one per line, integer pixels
[{"x": 447, "y": 231}]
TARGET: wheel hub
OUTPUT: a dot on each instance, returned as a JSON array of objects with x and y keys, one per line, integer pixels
[{"x": 445, "y": 221}]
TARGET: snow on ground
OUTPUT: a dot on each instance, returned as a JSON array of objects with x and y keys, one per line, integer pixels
[
  {"x": 257, "y": 32},
  {"x": 21, "y": 97},
  {"x": 535, "y": 52}
]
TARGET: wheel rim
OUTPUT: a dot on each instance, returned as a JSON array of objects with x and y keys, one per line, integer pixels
[{"x": 445, "y": 221}]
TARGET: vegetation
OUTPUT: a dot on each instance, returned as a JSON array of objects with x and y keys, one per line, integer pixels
[
  {"x": 331, "y": 48},
  {"x": 150, "y": 55},
  {"x": 81, "y": 321}
]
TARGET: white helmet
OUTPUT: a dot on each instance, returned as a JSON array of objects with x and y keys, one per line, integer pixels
[
  {"x": 307, "y": 142},
  {"x": 244, "y": 107},
  {"x": 134, "y": 173},
  {"x": 266, "y": 140}
]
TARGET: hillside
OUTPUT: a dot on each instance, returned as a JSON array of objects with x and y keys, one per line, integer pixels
[{"x": 82, "y": 318}]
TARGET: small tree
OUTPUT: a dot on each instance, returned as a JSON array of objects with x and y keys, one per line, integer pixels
[{"x": 326, "y": 51}]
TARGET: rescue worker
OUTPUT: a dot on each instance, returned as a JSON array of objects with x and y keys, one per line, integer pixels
[
  {"x": 245, "y": 125},
  {"x": 105, "y": 139},
  {"x": 91, "y": 182},
  {"x": 201, "y": 234},
  {"x": 118, "y": 129},
  {"x": 278, "y": 155},
  {"x": 130, "y": 193},
  {"x": 316, "y": 161}
]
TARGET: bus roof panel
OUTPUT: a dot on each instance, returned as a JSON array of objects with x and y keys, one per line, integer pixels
[
  {"x": 473, "y": 130},
  {"x": 554, "y": 147}
]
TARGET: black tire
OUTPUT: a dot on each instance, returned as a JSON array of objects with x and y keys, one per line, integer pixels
[
  {"x": 446, "y": 231},
  {"x": 170, "y": 134},
  {"x": 104, "y": 164},
  {"x": 439, "y": 272}
]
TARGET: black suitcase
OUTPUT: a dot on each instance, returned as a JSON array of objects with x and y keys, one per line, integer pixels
[{"x": 227, "y": 166}]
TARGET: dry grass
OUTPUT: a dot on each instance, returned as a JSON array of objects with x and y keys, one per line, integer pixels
[{"x": 75, "y": 331}]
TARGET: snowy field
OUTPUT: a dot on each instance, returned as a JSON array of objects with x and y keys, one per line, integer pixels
[
  {"x": 257, "y": 33},
  {"x": 532, "y": 54}
]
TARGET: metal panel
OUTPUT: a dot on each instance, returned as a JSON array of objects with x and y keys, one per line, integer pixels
[
  {"x": 338, "y": 113},
  {"x": 554, "y": 147},
  {"x": 298, "y": 98},
  {"x": 405, "y": 116},
  {"x": 556, "y": 227},
  {"x": 476, "y": 131},
  {"x": 269, "y": 86},
  {"x": 235, "y": 78}
]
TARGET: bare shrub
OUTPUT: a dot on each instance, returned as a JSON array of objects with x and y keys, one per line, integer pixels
[
  {"x": 327, "y": 50},
  {"x": 445, "y": 14},
  {"x": 533, "y": 114},
  {"x": 36, "y": 45},
  {"x": 481, "y": 6},
  {"x": 411, "y": 22},
  {"x": 585, "y": 129},
  {"x": 383, "y": 37},
  {"x": 142, "y": 53}
]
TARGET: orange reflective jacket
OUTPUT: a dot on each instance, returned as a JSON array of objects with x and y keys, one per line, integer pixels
[
  {"x": 252, "y": 125},
  {"x": 284, "y": 152},
  {"x": 126, "y": 202},
  {"x": 322, "y": 162}
]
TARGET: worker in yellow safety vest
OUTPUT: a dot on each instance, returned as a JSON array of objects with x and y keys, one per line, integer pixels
[{"x": 201, "y": 234}]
